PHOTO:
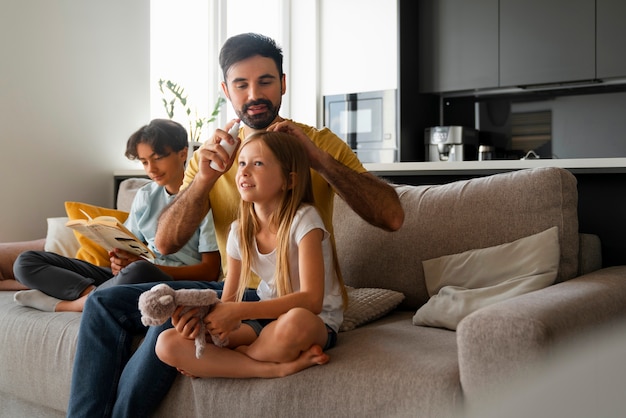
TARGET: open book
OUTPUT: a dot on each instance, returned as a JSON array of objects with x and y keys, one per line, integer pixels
[{"x": 110, "y": 233}]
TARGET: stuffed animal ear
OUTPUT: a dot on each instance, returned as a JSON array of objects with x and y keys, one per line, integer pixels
[
  {"x": 166, "y": 299},
  {"x": 156, "y": 287}
]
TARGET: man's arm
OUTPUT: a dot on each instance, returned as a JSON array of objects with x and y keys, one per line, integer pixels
[
  {"x": 370, "y": 197},
  {"x": 181, "y": 218}
]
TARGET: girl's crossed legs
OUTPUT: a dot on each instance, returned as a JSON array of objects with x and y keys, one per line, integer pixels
[{"x": 291, "y": 343}]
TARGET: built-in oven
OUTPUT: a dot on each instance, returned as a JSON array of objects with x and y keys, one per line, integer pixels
[{"x": 367, "y": 122}]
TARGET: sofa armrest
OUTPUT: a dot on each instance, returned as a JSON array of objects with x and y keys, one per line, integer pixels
[
  {"x": 589, "y": 254},
  {"x": 9, "y": 252},
  {"x": 506, "y": 339}
]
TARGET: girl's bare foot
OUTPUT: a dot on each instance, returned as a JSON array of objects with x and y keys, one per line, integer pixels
[
  {"x": 242, "y": 349},
  {"x": 312, "y": 357}
]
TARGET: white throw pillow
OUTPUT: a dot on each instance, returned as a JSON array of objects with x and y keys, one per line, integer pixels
[
  {"x": 60, "y": 239},
  {"x": 460, "y": 284}
]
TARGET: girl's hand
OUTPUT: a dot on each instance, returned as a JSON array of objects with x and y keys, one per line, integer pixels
[
  {"x": 187, "y": 324},
  {"x": 222, "y": 320}
]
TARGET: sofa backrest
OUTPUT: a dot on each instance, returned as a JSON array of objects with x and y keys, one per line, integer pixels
[
  {"x": 453, "y": 218},
  {"x": 127, "y": 190}
]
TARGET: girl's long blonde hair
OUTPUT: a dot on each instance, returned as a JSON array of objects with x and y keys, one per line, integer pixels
[{"x": 296, "y": 174}]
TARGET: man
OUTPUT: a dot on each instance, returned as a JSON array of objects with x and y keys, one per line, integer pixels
[{"x": 107, "y": 379}]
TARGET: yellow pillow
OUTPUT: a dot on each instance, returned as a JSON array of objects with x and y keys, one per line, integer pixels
[{"x": 90, "y": 251}]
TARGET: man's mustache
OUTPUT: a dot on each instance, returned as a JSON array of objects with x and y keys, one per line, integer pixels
[{"x": 257, "y": 103}]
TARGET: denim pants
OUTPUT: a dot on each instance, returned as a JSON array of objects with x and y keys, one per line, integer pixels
[{"x": 107, "y": 378}]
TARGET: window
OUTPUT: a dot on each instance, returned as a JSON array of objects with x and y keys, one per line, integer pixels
[{"x": 185, "y": 39}]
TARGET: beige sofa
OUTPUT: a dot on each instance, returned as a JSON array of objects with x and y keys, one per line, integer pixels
[{"x": 389, "y": 367}]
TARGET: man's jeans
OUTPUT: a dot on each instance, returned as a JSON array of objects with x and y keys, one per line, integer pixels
[{"x": 109, "y": 380}]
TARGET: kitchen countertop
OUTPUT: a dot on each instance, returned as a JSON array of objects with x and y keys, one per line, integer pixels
[{"x": 575, "y": 165}]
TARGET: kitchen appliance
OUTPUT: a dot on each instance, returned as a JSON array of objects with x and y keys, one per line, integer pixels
[
  {"x": 367, "y": 122},
  {"x": 486, "y": 152},
  {"x": 451, "y": 143}
]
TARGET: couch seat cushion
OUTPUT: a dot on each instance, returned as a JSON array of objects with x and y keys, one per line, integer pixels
[
  {"x": 37, "y": 352},
  {"x": 388, "y": 368}
]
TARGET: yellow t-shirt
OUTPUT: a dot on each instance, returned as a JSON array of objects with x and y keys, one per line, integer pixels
[{"x": 225, "y": 197}]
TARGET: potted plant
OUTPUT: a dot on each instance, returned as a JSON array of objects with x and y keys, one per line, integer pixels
[{"x": 173, "y": 94}]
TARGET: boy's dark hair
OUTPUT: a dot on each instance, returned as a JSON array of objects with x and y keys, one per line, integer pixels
[
  {"x": 163, "y": 135},
  {"x": 240, "y": 47}
]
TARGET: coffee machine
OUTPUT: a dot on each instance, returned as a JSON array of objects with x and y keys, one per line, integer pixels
[{"x": 451, "y": 143}]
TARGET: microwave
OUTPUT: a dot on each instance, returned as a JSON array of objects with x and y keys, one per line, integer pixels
[{"x": 367, "y": 122}]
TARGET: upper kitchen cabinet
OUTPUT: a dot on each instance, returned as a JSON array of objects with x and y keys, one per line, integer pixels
[
  {"x": 543, "y": 42},
  {"x": 458, "y": 44},
  {"x": 611, "y": 32}
]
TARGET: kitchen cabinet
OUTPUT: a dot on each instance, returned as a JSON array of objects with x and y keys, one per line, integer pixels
[
  {"x": 479, "y": 44},
  {"x": 458, "y": 44},
  {"x": 611, "y": 32},
  {"x": 543, "y": 42}
]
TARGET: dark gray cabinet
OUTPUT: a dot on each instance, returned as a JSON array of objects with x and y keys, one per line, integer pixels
[
  {"x": 466, "y": 45},
  {"x": 458, "y": 44},
  {"x": 544, "y": 42},
  {"x": 611, "y": 33}
]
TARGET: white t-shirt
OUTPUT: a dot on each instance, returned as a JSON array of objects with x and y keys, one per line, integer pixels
[{"x": 264, "y": 265}]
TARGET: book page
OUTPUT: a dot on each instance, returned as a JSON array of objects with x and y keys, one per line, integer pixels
[
  {"x": 117, "y": 238},
  {"x": 110, "y": 234}
]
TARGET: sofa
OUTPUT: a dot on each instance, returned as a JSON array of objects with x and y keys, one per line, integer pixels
[{"x": 392, "y": 360}]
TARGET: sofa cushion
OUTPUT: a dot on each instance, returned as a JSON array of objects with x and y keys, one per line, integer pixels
[
  {"x": 368, "y": 304},
  {"x": 90, "y": 251},
  {"x": 60, "y": 239},
  {"x": 127, "y": 190},
  {"x": 460, "y": 284},
  {"x": 387, "y": 368},
  {"x": 453, "y": 218}
]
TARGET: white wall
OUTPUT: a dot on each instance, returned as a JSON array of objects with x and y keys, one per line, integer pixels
[
  {"x": 340, "y": 46},
  {"x": 75, "y": 80},
  {"x": 74, "y": 85},
  {"x": 359, "y": 45},
  {"x": 303, "y": 76}
]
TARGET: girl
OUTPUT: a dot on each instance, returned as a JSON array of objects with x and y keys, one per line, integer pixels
[
  {"x": 280, "y": 237},
  {"x": 63, "y": 284}
]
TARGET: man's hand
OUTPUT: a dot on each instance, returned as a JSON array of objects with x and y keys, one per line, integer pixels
[
  {"x": 315, "y": 154},
  {"x": 211, "y": 150}
]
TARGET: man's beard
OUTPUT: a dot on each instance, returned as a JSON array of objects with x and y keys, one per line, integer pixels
[{"x": 261, "y": 120}]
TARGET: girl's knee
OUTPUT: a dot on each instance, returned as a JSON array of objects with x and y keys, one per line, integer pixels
[
  {"x": 295, "y": 323},
  {"x": 166, "y": 346}
]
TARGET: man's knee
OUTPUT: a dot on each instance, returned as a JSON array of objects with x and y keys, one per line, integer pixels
[{"x": 139, "y": 272}]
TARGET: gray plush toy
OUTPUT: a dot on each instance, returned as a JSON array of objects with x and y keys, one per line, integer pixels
[{"x": 159, "y": 303}]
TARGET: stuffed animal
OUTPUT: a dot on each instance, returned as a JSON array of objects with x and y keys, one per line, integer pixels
[{"x": 159, "y": 303}]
